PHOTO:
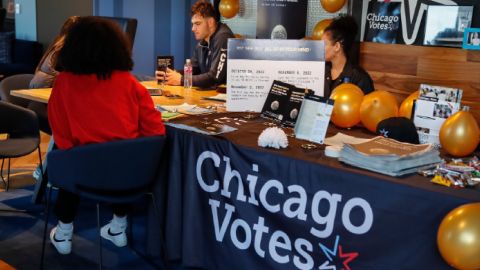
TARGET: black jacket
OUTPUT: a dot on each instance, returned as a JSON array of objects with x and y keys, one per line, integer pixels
[
  {"x": 209, "y": 61},
  {"x": 355, "y": 75}
]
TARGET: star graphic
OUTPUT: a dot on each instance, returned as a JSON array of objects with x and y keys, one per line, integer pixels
[
  {"x": 349, "y": 257},
  {"x": 384, "y": 132},
  {"x": 328, "y": 251},
  {"x": 331, "y": 255}
]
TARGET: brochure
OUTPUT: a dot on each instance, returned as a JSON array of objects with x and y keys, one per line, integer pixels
[
  {"x": 164, "y": 62},
  {"x": 293, "y": 106},
  {"x": 275, "y": 105},
  {"x": 434, "y": 105},
  {"x": 313, "y": 119}
]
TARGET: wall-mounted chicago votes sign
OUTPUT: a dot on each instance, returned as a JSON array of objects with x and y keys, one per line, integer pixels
[{"x": 400, "y": 21}]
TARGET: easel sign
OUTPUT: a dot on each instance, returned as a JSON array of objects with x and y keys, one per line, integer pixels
[{"x": 253, "y": 65}]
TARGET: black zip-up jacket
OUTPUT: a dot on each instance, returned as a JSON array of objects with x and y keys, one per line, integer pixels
[
  {"x": 355, "y": 74},
  {"x": 209, "y": 61}
]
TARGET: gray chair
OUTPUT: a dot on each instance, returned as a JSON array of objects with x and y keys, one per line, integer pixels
[
  {"x": 21, "y": 126},
  {"x": 22, "y": 81},
  {"x": 15, "y": 82}
]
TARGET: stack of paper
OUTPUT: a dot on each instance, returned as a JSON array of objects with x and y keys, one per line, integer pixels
[
  {"x": 186, "y": 108},
  {"x": 389, "y": 156}
]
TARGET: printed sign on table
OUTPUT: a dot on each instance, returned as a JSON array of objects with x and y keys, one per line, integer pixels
[
  {"x": 434, "y": 105},
  {"x": 253, "y": 65}
]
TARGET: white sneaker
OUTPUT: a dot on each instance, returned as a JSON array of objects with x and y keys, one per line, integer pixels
[
  {"x": 61, "y": 240},
  {"x": 115, "y": 233}
]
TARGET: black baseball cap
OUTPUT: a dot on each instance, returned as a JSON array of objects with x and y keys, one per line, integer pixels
[{"x": 401, "y": 129}]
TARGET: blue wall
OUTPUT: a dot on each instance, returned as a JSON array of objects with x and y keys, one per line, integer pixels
[
  {"x": 164, "y": 28},
  {"x": 26, "y": 21}
]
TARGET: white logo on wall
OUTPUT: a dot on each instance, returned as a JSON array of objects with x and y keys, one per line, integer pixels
[
  {"x": 280, "y": 246},
  {"x": 410, "y": 18}
]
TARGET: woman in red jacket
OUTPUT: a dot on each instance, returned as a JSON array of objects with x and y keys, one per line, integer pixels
[{"x": 95, "y": 99}]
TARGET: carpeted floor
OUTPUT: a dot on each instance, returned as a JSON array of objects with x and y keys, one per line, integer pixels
[{"x": 21, "y": 237}]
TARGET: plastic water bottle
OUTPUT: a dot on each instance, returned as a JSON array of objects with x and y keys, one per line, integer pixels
[{"x": 187, "y": 74}]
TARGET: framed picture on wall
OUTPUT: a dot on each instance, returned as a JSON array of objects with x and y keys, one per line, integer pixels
[
  {"x": 471, "y": 39},
  {"x": 445, "y": 25}
]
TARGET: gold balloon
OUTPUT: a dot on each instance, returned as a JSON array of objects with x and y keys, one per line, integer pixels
[
  {"x": 320, "y": 28},
  {"x": 377, "y": 106},
  {"x": 459, "y": 134},
  {"x": 346, "y": 110},
  {"x": 458, "y": 237},
  {"x": 332, "y": 5},
  {"x": 407, "y": 105},
  {"x": 229, "y": 8}
]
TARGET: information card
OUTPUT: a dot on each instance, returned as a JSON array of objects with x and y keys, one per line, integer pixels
[
  {"x": 313, "y": 119},
  {"x": 253, "y": 65}
]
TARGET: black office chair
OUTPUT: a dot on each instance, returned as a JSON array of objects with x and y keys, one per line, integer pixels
[
  {"x": 112, "y": 172},
  {"x": 128, "y": 25},
  {"x": 23, "y": 135}
]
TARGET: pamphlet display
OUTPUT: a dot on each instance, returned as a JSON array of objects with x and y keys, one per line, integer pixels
[
  {"x": 313, "y": 119},
  {"x": 434, "y": 105},
  {"x": 283, "y": 103},
  {"x": 253, "y": 65}
]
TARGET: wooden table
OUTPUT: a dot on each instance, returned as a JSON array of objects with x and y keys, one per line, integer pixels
[{"x": 193, "y": 96}]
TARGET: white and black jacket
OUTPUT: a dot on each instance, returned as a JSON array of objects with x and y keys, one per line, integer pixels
[{"x": 209, "y": 61}]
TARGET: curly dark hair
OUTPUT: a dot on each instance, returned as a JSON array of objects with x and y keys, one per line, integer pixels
[
  {"x": 95, "y": 46},
  {"x": 343, "y": 29},
  {"x": 205, "y": 9}
]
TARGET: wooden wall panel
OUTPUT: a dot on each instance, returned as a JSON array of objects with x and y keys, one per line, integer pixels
[
  {"x": 434, "y": 69},
  {"x": 399, "y": 64},
  {"x": 401, "y": 69}
]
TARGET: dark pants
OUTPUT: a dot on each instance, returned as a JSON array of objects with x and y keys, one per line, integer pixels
[{"x": 67, "y": 203}]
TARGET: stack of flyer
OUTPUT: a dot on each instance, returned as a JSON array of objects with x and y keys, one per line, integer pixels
[{"x": 388, "y": 156}]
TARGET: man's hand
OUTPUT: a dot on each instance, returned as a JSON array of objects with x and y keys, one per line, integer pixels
[
  {"x": 171, "y": 77},
  {"x": 160, "y": 76}
]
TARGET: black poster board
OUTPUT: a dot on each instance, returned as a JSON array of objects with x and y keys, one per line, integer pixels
[
  {"x": 413, "y": 14},
  {"x": 278, "y": 19}
]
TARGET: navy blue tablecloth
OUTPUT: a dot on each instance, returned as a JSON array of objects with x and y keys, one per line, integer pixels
[{"x": 228, "y": 206}]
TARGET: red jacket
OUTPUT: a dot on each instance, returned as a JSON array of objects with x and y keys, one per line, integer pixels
[{"x": 83, "y": 109}]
